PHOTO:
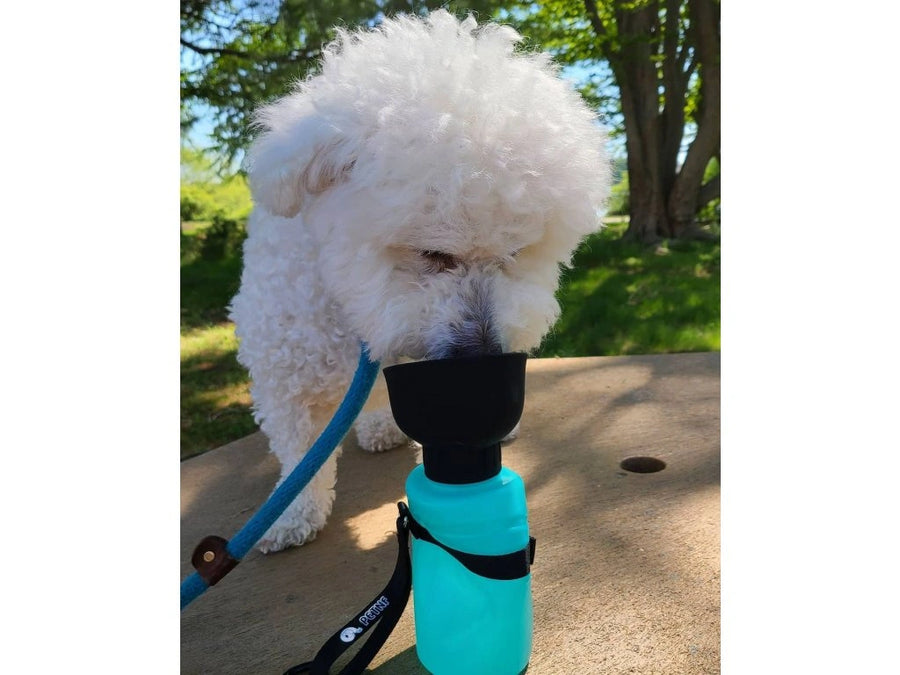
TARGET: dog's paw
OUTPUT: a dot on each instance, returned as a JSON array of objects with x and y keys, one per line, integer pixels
[
  {"x": 299, "y": 524},
  {"x": 376, "y": 431},
  {"x": 277, "y": 540}
]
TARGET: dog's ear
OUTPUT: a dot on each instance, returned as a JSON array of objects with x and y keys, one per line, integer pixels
[{"x": 298, "y": 154}]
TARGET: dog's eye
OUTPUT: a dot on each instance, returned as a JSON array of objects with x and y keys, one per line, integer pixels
[{"x": 439, "y": 261}]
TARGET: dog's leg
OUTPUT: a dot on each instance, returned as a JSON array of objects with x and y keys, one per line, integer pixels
[
  {"x": 300, "y": 357},
  {"x": 307, "y": 514},
  {"x": 376, "y": 431}
]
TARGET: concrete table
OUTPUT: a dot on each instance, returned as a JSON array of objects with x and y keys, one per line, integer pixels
[{"x": 626, "y": 576}]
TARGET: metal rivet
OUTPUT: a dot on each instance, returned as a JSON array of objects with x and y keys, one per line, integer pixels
[{"x": 209, "y": 556}]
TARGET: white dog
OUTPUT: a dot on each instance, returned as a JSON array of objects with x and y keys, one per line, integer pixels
[{"x": 420, "y": 194}]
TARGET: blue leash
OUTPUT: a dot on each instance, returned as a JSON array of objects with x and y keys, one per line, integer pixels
[{"x": 363, "y": 380}]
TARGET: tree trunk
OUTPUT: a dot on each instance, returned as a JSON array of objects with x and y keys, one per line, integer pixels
[
  {"x": 653, "y": 54},
  {"x": 636, "y": 75},
  {"x": 647, "y": 214},
  {"x": 684, "y": 199}
]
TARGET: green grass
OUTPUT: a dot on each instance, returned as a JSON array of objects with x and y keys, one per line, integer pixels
[
  {"x": 215, "y": 393},
  {"x": 624, "y": 298},
  {"x": 194, "y": 226},
  {"x": 619, "y": 298}
]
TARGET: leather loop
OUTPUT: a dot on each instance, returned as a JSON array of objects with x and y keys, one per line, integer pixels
[{"x": 212, "y": 560}]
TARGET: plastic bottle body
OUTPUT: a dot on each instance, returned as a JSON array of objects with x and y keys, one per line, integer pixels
[{"x": 466, "y": 623}]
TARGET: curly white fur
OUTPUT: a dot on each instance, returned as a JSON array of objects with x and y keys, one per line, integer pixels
[
  {"x": 419, "y": 194},
  {"x": 377, "y": 432}
]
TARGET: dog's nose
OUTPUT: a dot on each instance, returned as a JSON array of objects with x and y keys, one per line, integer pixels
[
  {"x": 468, "y": 327},
  {"x": 479, "y": 346},
  {"x": 474, "y": 332},
  {"x": 467, "y": 338}
]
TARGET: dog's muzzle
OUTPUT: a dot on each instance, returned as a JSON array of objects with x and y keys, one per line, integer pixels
[{"x": 473, "y": 331}]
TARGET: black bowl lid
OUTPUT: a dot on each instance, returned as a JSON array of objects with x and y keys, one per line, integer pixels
[{"x": 459, "y": 409}]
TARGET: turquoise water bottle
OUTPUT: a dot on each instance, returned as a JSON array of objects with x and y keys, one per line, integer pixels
[{"x": 471, "y": 550}]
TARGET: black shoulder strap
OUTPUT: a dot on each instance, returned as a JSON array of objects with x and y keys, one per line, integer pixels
[{"x": 384, "y": 610}]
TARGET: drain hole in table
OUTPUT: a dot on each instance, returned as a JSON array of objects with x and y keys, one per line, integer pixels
[{"x": 642, "y": 464}]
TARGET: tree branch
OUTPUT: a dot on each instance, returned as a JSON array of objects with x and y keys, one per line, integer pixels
[
  {"x": 594, "y": 17},
  {"x": 226, "y": 51},
  {"x": 670, "y": 34},
  {"x": 710, "y": 191},
  {"x": 218, "y": 51}
]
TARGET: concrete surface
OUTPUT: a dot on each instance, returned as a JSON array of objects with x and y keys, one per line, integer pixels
[{"x": 626, "y": 576}]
